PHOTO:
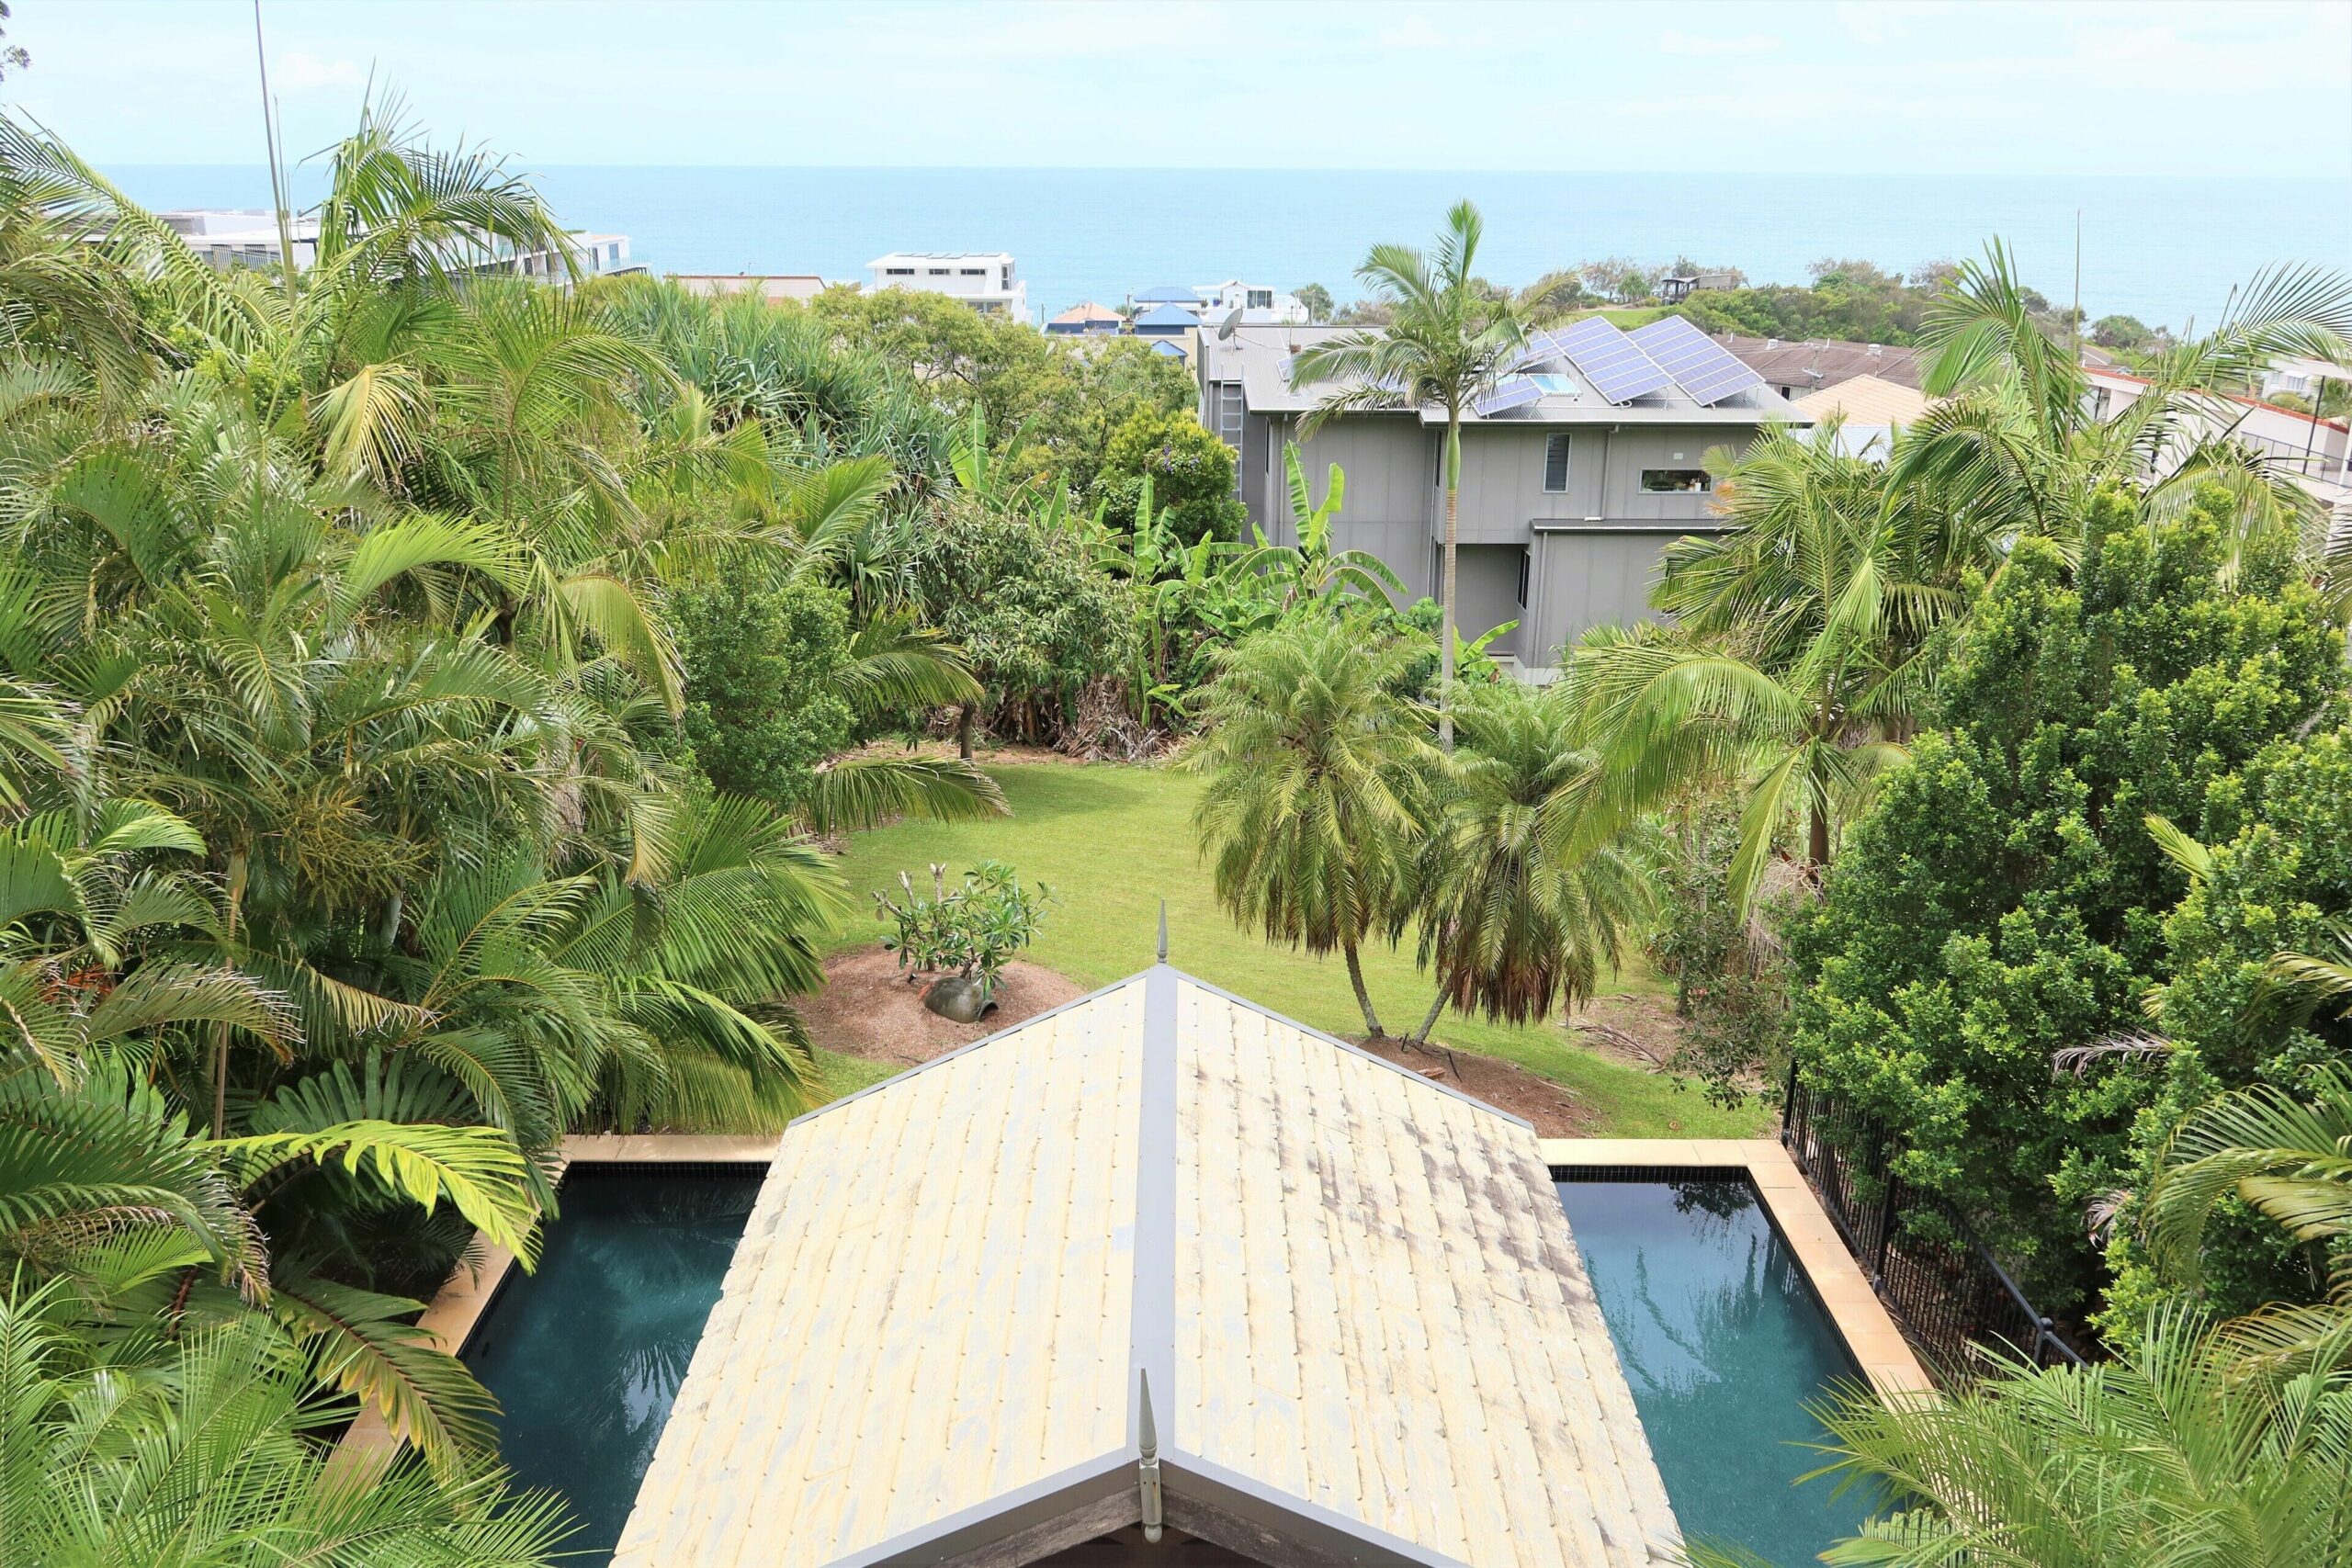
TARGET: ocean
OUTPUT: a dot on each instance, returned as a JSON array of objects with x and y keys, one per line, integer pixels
[{"x": 2163, "y": 250}]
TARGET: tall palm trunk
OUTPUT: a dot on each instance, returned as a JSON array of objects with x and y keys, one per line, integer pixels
[
  {"x": 1445, "y": 632},
  {"x": 1817, "y": 839},
  {"x": 1363, "y": 996}
]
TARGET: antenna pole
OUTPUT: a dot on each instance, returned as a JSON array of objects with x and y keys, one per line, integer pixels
[
  {"x": 2075, "y": 318},
  {"x": 1163, "y": 930},
  {"x": 276, "y": 162}
]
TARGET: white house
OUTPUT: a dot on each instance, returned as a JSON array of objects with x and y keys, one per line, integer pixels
[
  {"x": 2318, "y": 452},
  {"x": 228, "y": 237},
  {"x": 986, "y": 280},
  {"x": 1259, "y": 306}
]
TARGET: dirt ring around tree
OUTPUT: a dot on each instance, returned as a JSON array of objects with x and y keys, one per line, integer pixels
[{"x": 870, "y": 1008}]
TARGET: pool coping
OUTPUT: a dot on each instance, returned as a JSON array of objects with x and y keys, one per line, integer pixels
[
  {"x": 467, "y": 1293},
  {"x": 1862, "y": 1319}
]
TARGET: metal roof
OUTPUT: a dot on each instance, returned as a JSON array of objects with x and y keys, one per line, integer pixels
[
  {"x": 1168, "y": 294},
  {"x": 1157, "y": 1256},
  {"x": 1168, "y": 316},
  {"x": 1259, "y": 357}
]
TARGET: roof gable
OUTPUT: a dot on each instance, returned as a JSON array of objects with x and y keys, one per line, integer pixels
[{"x": 1347, "y": 1294}]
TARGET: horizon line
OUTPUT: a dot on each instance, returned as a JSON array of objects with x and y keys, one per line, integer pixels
[{"x": 532, "y": 167}]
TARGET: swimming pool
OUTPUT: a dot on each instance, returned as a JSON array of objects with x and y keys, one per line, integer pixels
[
  {"x": 1722, "y": 1340},
  {"x": 586, "y": 1354}
]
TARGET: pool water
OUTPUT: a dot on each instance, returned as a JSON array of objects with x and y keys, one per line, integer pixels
[
  {"x": 1722, "y": 1341},
  {"x": 586, "y": 1354}
]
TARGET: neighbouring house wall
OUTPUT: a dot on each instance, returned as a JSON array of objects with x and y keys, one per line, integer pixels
[
  {"x": 1385, "y": 458},
  {"x": 1585, "y": 573},
  {"x": 1588, "y": 576},
  {"x": 1487, "y": 593}
]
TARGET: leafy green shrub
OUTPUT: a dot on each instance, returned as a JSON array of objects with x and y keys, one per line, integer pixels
[
  {"x": 2003, "y": 899},
  {"x": 1024, "y": 599},
  {"x": 1191, "y": 471},
  {"x": 2277, "y": 866},
  {"x": 970, "y": 929},
  {"x": 763, "y": 708},
  {"x": 1730, "y": 977}
]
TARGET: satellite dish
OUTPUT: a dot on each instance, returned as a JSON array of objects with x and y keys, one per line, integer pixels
[{"x": 1225, "y": 327}]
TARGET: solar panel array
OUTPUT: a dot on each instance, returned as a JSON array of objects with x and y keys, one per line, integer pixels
[
  {"x": 1613, "y": 362},
  {"x": 1542, "y": 348},
  {"x": 1703, "y": 367},
  {"x": 1513, "y": 392}
]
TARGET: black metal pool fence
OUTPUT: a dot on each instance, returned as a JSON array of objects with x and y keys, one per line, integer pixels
[{"x": 1947, "y": 1292}]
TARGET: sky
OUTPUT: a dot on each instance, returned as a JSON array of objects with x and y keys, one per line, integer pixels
[{"x": 1982, "y": 87}]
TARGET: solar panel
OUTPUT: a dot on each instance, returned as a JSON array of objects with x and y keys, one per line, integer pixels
[
  {"x": 1702, "y": 367},
  {"x": 1513, "y": 392},
  {"x": 1542, "y": 348},
  {"x": 1613, "y": 362}
]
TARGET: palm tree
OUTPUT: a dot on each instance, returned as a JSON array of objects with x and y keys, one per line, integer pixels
[
  {"x": 201, "y": 1449},
  {"x": 1447, "y": 344},
  {"x": 1799, "y": 654},
  {"x": 2171, "y": 1454},
  {"x": 1317, "y": 770},
  {"x": 2017, "y": 445},
  {"x": 1524, "y": 892},
  {"x": 2288, "y": 1158}
]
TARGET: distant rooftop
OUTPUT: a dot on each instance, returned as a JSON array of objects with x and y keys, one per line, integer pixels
[
  {"x": 1168, "y": 316},
  {"x": 1807, "y": 364},
  {"x": 1168, "y": 294},
  {"x": 1558, "y": 391},
  {"x": 940, "y": 256}
]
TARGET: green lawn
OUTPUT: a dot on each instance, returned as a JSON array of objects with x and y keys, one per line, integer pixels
[{"x": 1112, "y": 841}]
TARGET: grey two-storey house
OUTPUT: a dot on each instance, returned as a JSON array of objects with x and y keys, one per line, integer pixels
[{"x": 1575, "y": 473}]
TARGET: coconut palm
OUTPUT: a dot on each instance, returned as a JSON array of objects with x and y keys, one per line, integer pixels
[
  {"x": 205, "y": 1449},
  {"x": 2171, "y": 1454},
  {"x": 1801, "y": 738},
  {"x": 1315, "y": 771},
  {"x": 1525, "y": 894},
  {"x": 1804, "y": 527},
  {"x": 1447, "y": 344}
]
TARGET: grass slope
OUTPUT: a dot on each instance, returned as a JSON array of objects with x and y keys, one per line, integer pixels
[{"x": 1112, "y": 841}]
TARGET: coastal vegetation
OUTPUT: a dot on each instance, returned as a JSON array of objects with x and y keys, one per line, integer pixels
[{"x": 440, "y": 714}]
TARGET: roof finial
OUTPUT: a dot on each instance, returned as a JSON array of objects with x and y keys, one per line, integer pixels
[
  {"x": 1163, "y": 930},
  {"x": 1147, "y": 1461}
]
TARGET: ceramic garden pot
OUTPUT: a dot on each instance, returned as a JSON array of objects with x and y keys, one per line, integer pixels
[{"x": 959, "y": 998}]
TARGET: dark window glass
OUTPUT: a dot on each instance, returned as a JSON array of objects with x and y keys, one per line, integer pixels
[
  {"x": 1526, "y": 570},
  {"x": 1676, "y": 481},
  {"x": 1555, "y": 463}
]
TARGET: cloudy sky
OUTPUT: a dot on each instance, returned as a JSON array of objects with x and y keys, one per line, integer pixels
[{"x": 2124, "y": 87}]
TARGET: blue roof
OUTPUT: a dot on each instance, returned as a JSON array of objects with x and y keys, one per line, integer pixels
[
  {"x": 1169, "y": 348},
  {"x": 1168, "y": 316},
  {"x": 1168, "y": 294}
]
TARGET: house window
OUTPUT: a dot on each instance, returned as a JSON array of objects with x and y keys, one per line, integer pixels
[
  {"x": 1526, "y": 571},
  {"x": 1676, "y": 481},
  {"x": 939, "y": 272},
  {"x": 1260, "y": 299},
  {"x": 898, "y": 272},
  {"x": 973, "y": 272},
  {"x": 1556, "y": 464}
]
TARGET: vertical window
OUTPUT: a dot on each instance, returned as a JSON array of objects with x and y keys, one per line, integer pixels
[
  {"x": 1526, "y": 571},
  {"x": 1555, "y": 463},
  {"x": 1262, "y": 299}
]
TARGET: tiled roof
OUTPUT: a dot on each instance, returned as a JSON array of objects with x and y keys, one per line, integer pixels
[{"x": 1337, "y": 1306}]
